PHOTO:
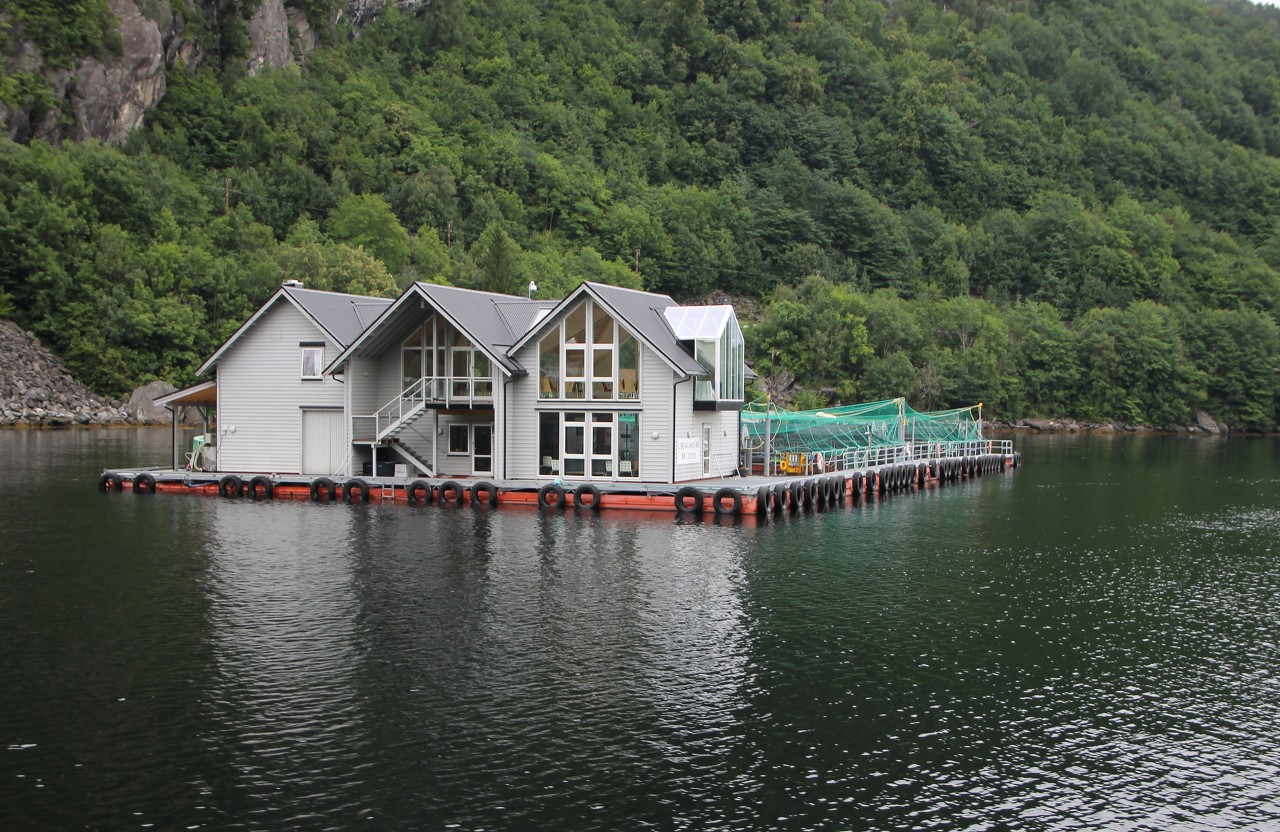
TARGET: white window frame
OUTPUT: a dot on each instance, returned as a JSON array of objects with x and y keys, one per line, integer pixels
[
  {"x": 466, "y": 433},
  {"x": 309, "y": 350}
]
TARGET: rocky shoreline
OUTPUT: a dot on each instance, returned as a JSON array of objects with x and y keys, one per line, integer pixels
[
  {"x": 1205, "y": 425},
  {"x": 37, "y": 390}
]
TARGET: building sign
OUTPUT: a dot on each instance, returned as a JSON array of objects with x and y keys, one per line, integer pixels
[{"x": 688, "y": 451}]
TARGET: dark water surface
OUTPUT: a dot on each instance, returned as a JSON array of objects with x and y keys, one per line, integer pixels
[{"x": 1087, "y": 643}]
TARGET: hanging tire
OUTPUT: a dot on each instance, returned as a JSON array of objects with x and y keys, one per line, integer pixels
[
  {"x": 841, "y": 484},
  {"x": 735, "y": 502},
  {"x": 452, "y": 487},
  {"x": 231, "y": 486},
  {"x": 685, "y": 493},
  {"x": 781, "y": 499},
  {"x": 763, "y": 494},
  {"x": 326, "y": 487},
  {"x": 144, "y": 483},
  {"x": 264, "y": 483},
  {"x": 110, "y": 482},
  {"x": 814, "y": 493},
  {"x": 581, "y": 493},
  {"x": 355, "y": 485},
  {"x": 795, "y": 497},
  {"x": 419, "y": 487},
  {"x": 489, "y": 489},
  {"x": 550, "y": 496}
]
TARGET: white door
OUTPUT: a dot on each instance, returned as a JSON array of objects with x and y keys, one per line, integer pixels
[{"x": 324, "y": 442}]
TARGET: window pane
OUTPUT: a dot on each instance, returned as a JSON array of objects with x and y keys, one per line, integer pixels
[
  {"x": 628, "y": 444},
  {"x": 312, "y": 361},
  {"x": 458, "y": 443},
  {"x": 628, "y": 367},
  {"x": 575, "y": 326},
  {"x": 549, "y": 443},
  {"x": 602, "y": 373},
  {"x": 549, "y": 367},
  {"x": 601, "y": 327},
  {"x": 574, "y": 439}
]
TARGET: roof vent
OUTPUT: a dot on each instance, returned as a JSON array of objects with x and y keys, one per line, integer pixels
[{"x": 292, "y": 284}]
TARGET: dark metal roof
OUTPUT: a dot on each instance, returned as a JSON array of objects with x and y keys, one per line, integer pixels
[
  {"x": 344, "y": 317},
  {"x": 521, "y": 315}
]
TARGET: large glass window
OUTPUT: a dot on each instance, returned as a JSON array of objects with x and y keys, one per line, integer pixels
[{"x": 594, "y": 353}]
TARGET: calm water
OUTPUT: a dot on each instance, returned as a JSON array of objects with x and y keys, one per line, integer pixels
[{"x": 1087, "y": 643}]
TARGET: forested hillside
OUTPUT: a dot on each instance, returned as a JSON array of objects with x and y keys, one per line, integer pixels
[{"x": 1055, "y": 208}]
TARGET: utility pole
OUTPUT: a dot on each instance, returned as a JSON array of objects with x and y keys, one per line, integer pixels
[
  {"x": 226, "y": 196},
  {"x": 637, "y": 262},
  {"x": 448, "y": 233}
]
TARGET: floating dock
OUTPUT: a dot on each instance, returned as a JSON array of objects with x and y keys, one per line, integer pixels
[{"x": 753, "y": 495}]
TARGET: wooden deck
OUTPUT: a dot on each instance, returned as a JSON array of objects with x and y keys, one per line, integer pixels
[{"x": 732, "y": 496}]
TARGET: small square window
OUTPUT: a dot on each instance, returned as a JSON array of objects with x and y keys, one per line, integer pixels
[
  {"x": 312, "y": 362},
  {"x": 459, "y": 438}
]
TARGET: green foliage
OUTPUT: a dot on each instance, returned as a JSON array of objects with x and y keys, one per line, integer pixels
[
  {"x": 1051, "y": 208},
  {"x": 66, "y": 30}
]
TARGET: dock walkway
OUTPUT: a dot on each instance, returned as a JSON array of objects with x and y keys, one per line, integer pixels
[{"x": 731, "y": 496}]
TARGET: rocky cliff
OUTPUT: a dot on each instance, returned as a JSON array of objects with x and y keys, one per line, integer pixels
[
  {"x": 37, "y": 390},
  {"x": 106, "y": 96}
]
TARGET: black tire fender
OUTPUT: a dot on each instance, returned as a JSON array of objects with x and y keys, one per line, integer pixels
[
  {"x": 551, "y": 496},
  {"x": 419, "y": 486},
  {"x": 583, "y": 491},
  {"x": 144, "y": 483},
  {"x": 325, "y": 485},
  {"x": 452, "y": 486},
  {"x": 265, "y": 483},
  {"x": 489, "y": 489},
  {"x": 735, "y": 506},
  {"x": 684, "y": 493},
  {"x": 231, "y": 486}
]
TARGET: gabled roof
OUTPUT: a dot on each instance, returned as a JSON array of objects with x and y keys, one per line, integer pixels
[
  {"x": 489, "y": 320},
  {"x": 640, "y": 312},
  {"x": 339, "y": 316}
]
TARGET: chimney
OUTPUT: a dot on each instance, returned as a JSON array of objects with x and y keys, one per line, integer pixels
[{"x": 533, "y": 288}]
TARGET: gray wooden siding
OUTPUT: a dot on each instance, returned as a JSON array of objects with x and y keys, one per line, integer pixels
[
  {"x": 261, "y": 393},
  {"x": 688, "y": 426},
  {"x": 521, "y": 419},
  {"x": 656, "y": 393}
]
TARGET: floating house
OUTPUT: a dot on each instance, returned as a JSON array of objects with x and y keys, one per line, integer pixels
[{"x": 608, "y": 385}]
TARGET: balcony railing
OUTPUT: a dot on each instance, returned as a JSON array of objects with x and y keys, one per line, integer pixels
[{"x": 450, "y": 391}]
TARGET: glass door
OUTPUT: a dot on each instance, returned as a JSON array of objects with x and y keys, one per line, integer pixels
[
  {"x": 482, "y": 449},
  {"x": 574, "y": 445}
]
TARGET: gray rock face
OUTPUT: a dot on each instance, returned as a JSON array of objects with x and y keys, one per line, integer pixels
[
  {"x": 107, "y": 97},
  {"x": 269, "y": 37},
  {"x": 36, "y": 389}
]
